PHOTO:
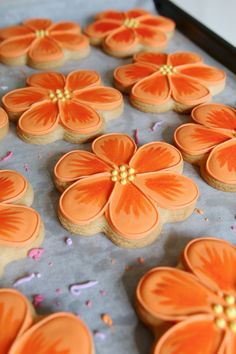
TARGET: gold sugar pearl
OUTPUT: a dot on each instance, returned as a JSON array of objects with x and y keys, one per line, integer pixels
[
  {"x": 114, "y": 173},
  {"x": 230, "y": 312},
  {"x": 131, "y": 171},
  {"x": 122, "y": 168},
  {"x": 114, "y": 178},
  {"x": 54, "y": 99},
  {"x": 123, "y": 174},
  {"x": 218, "y": 309},
  {"x": 230, "y": 299},
  {"x": 221, "y": 323},
  {"x": 123, "y": 181},
  {"x": 131, "y": 178}
]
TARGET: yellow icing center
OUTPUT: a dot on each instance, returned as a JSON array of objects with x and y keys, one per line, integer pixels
[
  {"x": 167, "y": 69},
  {"x": 226, "y": 315},
  {"x": 123, "y": 175},
  {"x": 131, "y": 23},
  {"x": 60, "y": 95},
  {"x": 41, "y": 33}
]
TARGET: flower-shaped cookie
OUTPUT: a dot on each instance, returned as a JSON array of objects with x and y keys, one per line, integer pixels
[
  {"x": 21, "y": 227},
  {"x": 122, "y": 191},
  {"x": 211, "y": 142},
  {"x": 4, "y": 124},
  {"x": 42, "y": 44},
  {"x": 60, "y": 333},
  {"x": 55, "y": 107},
  {"x": 199, "y": 302},
  {"x": 160, "y": 82},
  {"x": 124, "y": 33}
]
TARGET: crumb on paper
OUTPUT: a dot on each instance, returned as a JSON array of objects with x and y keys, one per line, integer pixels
[
  {"x": 88, "y": 304},
  {"x": 199, "y": 211},
  {"x": 36, "y": 253},
  {"x": 206, "y": 219},
  {"x": 99, "y": 335},
  {"x": 107, "y": 319},
  {"x": 37, "y": 300},
  {"x": 233, "y": 227},
  {"x": 141, "y": 260}
]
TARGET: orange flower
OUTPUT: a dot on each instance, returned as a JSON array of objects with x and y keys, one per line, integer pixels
[
  {"x": 3, "y": 123},
  {"x": 125, "y": 33},
  {"x": 199, "y": 302},
  {"x": 212, "y": 142},
  {"x": 54, "y": 107},
  {"x": 20, "y": 226},
  {"x": 61, "y": 333},
  {"x": 159, "y": 82},
  {"x": 125, "y": 186},
  {"x": 40, "y": 42}
]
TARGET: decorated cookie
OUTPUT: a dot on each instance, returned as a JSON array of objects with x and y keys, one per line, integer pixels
[
  {"x": 24, "y": 333},
  {"x": 21, "y": 227},
  {"x": 122, "y": 34},
  {"x": 42, "y": 44},
  {"x": 74, "y": 108},
  {"x": 210, "y": 141},
  {"x": 125, "y": 192},
  {"x": 197, "y": 302},
  {"x": 4, "y": 124},
  {"x": 160, "y": 82}
]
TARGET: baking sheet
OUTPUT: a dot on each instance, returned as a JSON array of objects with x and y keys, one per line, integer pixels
[{"x": 96, "y": 258}]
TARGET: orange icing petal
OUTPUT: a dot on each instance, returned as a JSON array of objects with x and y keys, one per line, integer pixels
[
  {"x": 221, "y": 163},
  {"x": 79, "y": 118},
  {"x": 78, "y": 80},
  {"x": 45, "y": 49},
  {"x": 168, "y": 189},
  {"x": 12, "y": 186},
  {"x": 133, "y": 13},
  {"x": 128, "y": 75},
  {"x": 38, "y": 23},
  {"x": 198, "y": 335},
  {"x": 215, "y": 116},
  {"x": 130, "y": 213},
  {"x": 213, "y": 261},
  {"x": 86, "y": 199},
  {"x": 188, "y": 91},
  {"x": 20, "y": 100},
  {"x": 111, "y": 15},
  {"x": 122, "y": 39},
  {"x": 167, "y": 294},
  {"x": 19, "y": 225},
  {"x": 151, "y": 58},
  {"x": 16, "y": 46},
  {"x": 15, "y": 317},
  {"x": 99, "y": 97},
  {"x": 40, "y": 119},
  {"x": 61, "y": 333},
  {"x": 70, "y": 41},
  {"x": 14, "y": 31},
  {"x": 101, "y": 28},
  {"x": 65, "y": 26},
  {"x": 182, "y": 58},
  {"x": 204, "y": 73},
  {"x": 77, "y": 164},
  {"x": 3, "y": 118},
  {"x": 156, "y": 156},
  {"x": 149, "y": 36},
  {"x": 115, "y": 149},
  {"x": 162, "y": 23},
  {"x": 47, "y": 80},
  {"x": 154, "y": 89},
  {"x": 195, "y": 139}
]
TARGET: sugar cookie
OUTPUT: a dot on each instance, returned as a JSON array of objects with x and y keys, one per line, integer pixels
[{"x": 126, "y": 193}]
